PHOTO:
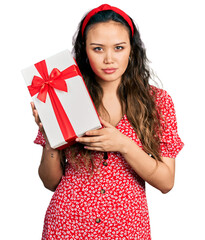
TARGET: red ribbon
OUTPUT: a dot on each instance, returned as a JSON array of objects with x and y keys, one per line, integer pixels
[
  {"x": 105, "y": 7},
  {"x": 46, "y": 85}
]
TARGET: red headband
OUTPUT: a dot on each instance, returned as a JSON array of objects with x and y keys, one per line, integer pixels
[{"x": 105, "y": 7}]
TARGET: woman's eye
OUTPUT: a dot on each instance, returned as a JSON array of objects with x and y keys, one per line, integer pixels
[
  {"x": 98, "y": 49},
  {"x": 119, "y": 48}
]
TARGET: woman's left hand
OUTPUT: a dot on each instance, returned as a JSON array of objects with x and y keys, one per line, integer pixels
[{"x": 107, "y": 139}]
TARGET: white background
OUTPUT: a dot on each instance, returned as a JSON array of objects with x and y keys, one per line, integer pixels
[{"x": 173, "y": 33}]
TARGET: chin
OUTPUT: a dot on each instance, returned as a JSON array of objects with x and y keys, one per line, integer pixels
[{"x": 110, "y": 78}]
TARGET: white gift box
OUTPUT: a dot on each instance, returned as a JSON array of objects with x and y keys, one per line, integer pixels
[{"x": 77, "y": 113}]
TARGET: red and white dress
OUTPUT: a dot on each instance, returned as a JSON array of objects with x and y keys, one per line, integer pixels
[{"x": 112, "y": 204}]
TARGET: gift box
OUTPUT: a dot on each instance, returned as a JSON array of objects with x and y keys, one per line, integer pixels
[{"x": 61, "y": 98}]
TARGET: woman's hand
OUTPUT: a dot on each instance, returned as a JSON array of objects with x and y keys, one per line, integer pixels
[
  {"x": 36, "y": 117},
  {"x": 107, "y": 139},
  {"x": 50, "y": 169},
  {"x": 38, "y": 122}
]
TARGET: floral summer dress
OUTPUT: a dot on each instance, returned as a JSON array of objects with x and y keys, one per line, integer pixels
[{"x": 112, "y": 204}]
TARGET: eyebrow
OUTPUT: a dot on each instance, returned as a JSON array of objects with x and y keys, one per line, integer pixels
[{"x": 98, "y": 44}]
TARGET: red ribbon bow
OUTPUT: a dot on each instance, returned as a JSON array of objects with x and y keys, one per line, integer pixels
[
  {"x": 45, "y": 85},
  {"x": 56, "y": 80}
]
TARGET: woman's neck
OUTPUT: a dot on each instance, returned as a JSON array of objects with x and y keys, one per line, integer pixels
[{"x": 109, "y": 88}]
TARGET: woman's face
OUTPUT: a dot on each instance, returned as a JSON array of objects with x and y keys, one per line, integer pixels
[{"x": 108, "y": 49}]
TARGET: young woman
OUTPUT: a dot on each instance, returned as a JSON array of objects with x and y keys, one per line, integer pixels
[{"x": 99, "y": 182}]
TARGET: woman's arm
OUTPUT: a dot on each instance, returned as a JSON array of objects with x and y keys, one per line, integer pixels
[
  {"x": 158, "y": 174},
  {"x": 50, "y": 169}
]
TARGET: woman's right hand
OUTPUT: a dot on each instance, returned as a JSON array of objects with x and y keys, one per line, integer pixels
[
  {"x": 50, "y": 169},
  {"x": 38, "y": 122},
  {"x": 36, "y": 117}
]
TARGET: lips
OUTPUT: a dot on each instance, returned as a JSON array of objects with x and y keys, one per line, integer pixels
[{"x": 109, "y": 70}]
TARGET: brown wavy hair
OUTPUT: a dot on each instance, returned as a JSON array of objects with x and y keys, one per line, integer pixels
[{"x": 137, "y": 96}]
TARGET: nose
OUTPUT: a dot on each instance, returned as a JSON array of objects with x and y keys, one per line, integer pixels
[{"x": 108, "y": 57}]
